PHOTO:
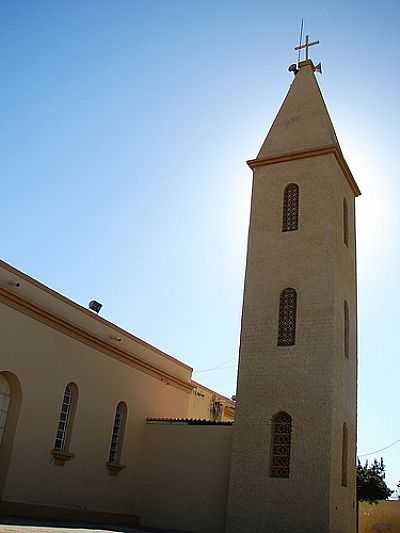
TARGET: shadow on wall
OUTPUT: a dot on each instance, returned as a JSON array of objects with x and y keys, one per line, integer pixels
[{"x": 383, "y": 517}]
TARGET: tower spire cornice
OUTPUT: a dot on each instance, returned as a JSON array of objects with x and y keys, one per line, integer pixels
[{"x": 304, "y": 154}]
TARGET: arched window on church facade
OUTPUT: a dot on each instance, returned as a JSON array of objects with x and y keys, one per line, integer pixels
[
  {"x": 118, "y": 431},
  {"x": 5, "y": 396},
  {"x": 290, "y": 207},
  {"x": 287, "y": 317},
  {"x": 281, "y": 437},
  {"x": 345, "y": 223},
  {"x": 66, "y": 418},
  {"x": 346, "y": 329},
  {"x": 10, "y": 405},
  {"x": 345, "y": 446}
]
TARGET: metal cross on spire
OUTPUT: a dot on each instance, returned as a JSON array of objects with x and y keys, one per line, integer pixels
[{"x": 306, "y": 45}]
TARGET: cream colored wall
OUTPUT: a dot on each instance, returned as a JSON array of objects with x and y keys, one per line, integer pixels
[
  {"x": 202, "y": 398},
  {"x": 344, "y": 377},
  {"x": 44, "y": 361},
  {"x": 200, "y": 403},
  {"x": 297, "y": 379},
  {"x": 35, "y": 294},
  {"x": 184, "y": 477},
  {"x": 383, "y": 517}
]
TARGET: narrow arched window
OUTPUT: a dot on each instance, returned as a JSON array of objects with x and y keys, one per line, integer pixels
[
  {"x": 5, "y": 396},
  {"x": 290, "y": 207},
  {"x": 345, "y": 446},
  {"x": 10, "y": 405},
  {"x": 66, "y": 419},
  {"x": 281, "y": 437},
  {"x": 346, "y": 329},
  {"x": 118, "y": 433},
  {"x": 345, "y": 223},
  {"x": 287, "y": 317}
]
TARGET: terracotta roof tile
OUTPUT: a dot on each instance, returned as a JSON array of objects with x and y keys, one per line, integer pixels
[{"x": 190, "y": 421}]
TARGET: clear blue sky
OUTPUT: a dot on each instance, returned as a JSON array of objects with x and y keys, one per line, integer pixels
[{"x": 125, "y": 126}]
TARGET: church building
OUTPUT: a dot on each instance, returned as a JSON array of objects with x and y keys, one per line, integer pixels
[{"x": 97, "y": 425}]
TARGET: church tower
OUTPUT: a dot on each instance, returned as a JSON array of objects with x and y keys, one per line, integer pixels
[{"x": 294, "y": 441}]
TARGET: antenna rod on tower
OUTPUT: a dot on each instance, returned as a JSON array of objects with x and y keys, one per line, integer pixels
[{"x": 301, "y": 38}]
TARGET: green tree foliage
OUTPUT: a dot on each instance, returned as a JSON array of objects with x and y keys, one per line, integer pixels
[{"x": 371, "y": 485}]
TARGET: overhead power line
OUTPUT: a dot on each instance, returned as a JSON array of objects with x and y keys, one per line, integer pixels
[
  {"x": 221, "y": 366},
  {"x": 215, "y": 369},
  {"x": 381, "y": 450}
]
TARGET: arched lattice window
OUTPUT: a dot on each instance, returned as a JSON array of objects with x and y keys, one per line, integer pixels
[
  {"x": 345, "y": 223},
  {"x": 118, "y": 433},
  {"x": 346, "y": 329},
  {"x": 5, "y": 395},
  {"x": 287, "y": 317},
  {"x": 281, "y": 437},
  {"x": 345, "y": 452},
  {"x": 290, "y": 207},
  {"x": 65, "y": 421}
]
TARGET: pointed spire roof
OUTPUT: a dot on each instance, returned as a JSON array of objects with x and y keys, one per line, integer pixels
[
  {"x": 302, "y": 127},
  {"x": 303, "y": 121}
]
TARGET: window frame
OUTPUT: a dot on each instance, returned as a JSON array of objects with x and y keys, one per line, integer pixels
[
  {"x": 117, "y": 434},
  {"x": 61, "y": 451},
  {"x": 281, "y": 426},
  {"x": 287, "y": 317},
  {"x": 5, "y": 404},
  {"x": 290, "y": 211}
]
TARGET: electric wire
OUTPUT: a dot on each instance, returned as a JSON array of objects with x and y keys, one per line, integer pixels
[
  {"x": 224, "y": 366},
  {"x": 215, "y": 369},
  {"x": 221, "y": 366},
  {"x": 381, "y": 449}
]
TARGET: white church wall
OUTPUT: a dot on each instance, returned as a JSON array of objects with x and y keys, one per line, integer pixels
[
  {"x": 45, "y": 360},
  {"x": 184, "y": 477}
]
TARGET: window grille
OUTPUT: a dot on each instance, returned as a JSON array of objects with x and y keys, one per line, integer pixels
[
  {"x": 65, "y": 420},
  {"x": 117, "y": 433},
  {"x": 290, "y": 207},
  {"x": 287, "y": 317},
  {"x": 281, "y": 437}
]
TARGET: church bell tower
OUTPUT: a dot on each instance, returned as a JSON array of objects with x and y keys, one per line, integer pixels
[{"x": 294, "y": 440}]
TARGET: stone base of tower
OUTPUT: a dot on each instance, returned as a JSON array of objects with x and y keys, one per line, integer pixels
[
  {"x": 280, "y": 524},
  {"x": 286, "y": 506},
  {"x": 290, "y": 518},
  {"x": 311, "y": 499}
]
